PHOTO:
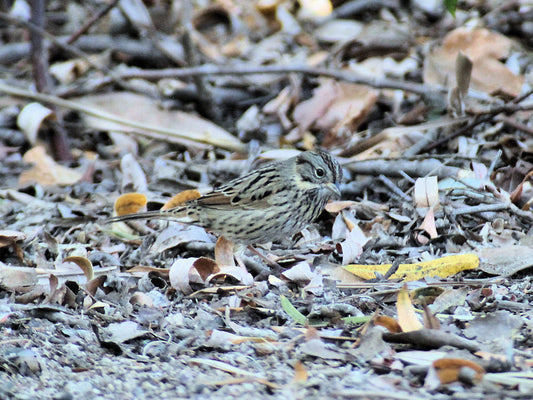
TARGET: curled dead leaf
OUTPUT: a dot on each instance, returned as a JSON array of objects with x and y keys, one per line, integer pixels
[
  {"x": 129, "y": 203},
  {"x": 387, "y": 322},
  {"x": 84, "y": 263},
  {"x": 30, "y": 119},
  {"x": 181, "y": 198}
]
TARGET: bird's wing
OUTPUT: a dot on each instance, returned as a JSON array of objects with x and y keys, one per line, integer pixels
[{"x": 253, "y": 191}]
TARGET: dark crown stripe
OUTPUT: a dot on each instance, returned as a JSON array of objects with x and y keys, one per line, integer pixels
[{"x": 333, "y": 166}]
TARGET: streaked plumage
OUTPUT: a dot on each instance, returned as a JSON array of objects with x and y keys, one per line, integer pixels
[{"x": 271, "y": 203}]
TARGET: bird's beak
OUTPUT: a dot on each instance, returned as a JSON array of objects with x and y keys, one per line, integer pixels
[{"x": 334, "y": 188}]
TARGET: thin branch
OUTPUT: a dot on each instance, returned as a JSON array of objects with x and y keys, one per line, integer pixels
[
  {"x": 347, "y": 76},
  {"x": 37, "y": 30},
  {"x": 95, "y": 18},
  {"x": 155, "y": 131},
  {"x": 57, "y": 136}
]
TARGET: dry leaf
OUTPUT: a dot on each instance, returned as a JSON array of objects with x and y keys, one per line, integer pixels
[
  {"x": 406, "y": 312},
  {"x": 84, "y": 263},
  {"x": 428, "y": 224},
  {"x": 441, "y": 267},
  {"x": 301, "y": 273},
  {"x": 337, "y": 206},
  {"x": 186, "y": 270},
  {"x": 430, "y": 321},
  {"x": 224, "y": 252},
  {"x": 129, "y": 203},
  {"x": 145, "y": 117},
  {"x": 237, "y": 273},
  {"x": 387, "y": 322},
  {"x": 181, "y": 198},
  {"x": 133, "y": 177},
  {"x": 17, "y": 277},
  {"x": 449, "y": 369},
  {"x": 311, "y": 110},
  {"x": 314, "y": 8},
  {"x": 8, "y": 237},
  {"x": 300, "y": 373},
  {"x": 176, "y": 234},
  {"x": 31, "y": 118},
  {"x": 426, "y": 192},
  {"x": 46, "y": 171},
  {"x": 485, "y": 49},
  {"x": 505, "y": 261}
]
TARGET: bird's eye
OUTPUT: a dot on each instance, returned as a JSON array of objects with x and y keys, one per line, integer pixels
[{"x": 320, "y": 172}]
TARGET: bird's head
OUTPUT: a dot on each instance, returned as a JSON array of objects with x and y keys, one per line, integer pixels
[{"x": 318, "y": 169}]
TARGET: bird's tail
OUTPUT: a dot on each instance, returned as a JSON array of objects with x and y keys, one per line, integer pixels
[{"x": 178, "y": 214}]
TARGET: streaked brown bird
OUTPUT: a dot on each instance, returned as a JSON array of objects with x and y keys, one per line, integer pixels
[{"x": 268, "y": 204}]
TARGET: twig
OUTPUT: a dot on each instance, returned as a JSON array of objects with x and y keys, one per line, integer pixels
[
  {"x": 98, "y": 15},
  {"x": 480, "y": 208},
  {"x": 37, "y": 30},
  {"x": 394, "y": 188},
  {"x": 486, "y": 116},
  {"x": 393, "y": 168},
  {"x": 459, "y": 132},
  {"x": 39, "y": 56},
  {"x": 517, "y": 125},
  {"x": 207, "y": 105},
  {"x": 43, "y": 81},
  {"x": 348, "y": 76},
  {"x": 155, "y": 131}
]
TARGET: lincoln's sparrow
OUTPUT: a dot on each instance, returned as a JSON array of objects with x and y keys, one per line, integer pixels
[{"x": 268, "y": 204}]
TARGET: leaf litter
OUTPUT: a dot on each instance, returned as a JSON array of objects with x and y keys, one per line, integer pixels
[{"x": 434, "y": 223}]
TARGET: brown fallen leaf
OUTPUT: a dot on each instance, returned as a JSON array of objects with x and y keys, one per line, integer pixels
[
  {"x": 485, "y": 49},
  {"x": 46, "y": 171}
]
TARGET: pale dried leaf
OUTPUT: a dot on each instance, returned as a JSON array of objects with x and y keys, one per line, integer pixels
[
  {"x": 154, "y": 122},
  {"x": 301, "y": 272},
  {"x": 426, "y": 192},
  {"x": 182, "y": 272},
  {"x": 224, "y": 252},
  {"x": 505, "y": 261},
  {"x": 428, "y": 224},
  {"x": 133, "y": 177},
  {"x": 30, "y": 119},
  {"x": 485, "y": 49},
  {"x": 176, "y": 234},
  {"x": 46, "y": 171},
  {"x": 237, "y": 273}
]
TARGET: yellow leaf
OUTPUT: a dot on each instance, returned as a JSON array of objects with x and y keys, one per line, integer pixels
[
  {"x": 84, "y": 263},
  {"x": 449, "y": 369},
  {"x": 388, "y": 322},
  {"x": 300, "y": 372},
  {"x": 181, "y": 198},
  {"x": 406, "y": 312},
  {"x": 129, "y": 203},
  {"x": 441, "y": 267}
]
